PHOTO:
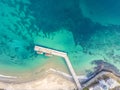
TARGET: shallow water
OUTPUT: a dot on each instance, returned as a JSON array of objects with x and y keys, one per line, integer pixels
[{"x": 65, "y": 25}]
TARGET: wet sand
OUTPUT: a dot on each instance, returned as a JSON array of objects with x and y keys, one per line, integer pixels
[
  {"x": 49, "y": 81},
  {"x": 37, "y": 71},
  {"x": 40, "y": 78}
]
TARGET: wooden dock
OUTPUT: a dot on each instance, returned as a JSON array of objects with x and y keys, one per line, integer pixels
[{"x": 65, "y": 56}]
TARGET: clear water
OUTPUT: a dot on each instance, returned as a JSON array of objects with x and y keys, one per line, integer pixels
[{"x": 87, "y": 29}]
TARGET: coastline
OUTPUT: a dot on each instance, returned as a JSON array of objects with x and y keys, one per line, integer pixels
[
  {"x": 37, "y": 70},
  {"x": 53, "y": 79},
  {"x": 50, "y": 79},
  {"x": 4, "y": 76}
]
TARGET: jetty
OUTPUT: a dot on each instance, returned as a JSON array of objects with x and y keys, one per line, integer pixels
[
  {"x": 98, "y": 73},
  {"x": 41, "y": 50}
]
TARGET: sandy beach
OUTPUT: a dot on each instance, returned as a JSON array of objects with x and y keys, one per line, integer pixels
[
  {"x": 49, "y": 81},
  {"x": 39, "y": 78}
]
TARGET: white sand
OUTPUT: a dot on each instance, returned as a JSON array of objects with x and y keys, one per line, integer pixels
[{"x": 48, "y": 82}]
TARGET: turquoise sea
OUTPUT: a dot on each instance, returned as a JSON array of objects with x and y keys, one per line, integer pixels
[{"x": 88, "y": 30}]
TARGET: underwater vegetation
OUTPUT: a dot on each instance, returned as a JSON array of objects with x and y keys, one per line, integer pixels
[
  {"x": 16, "y": 31},
  {"x": 21, "y": 21}
]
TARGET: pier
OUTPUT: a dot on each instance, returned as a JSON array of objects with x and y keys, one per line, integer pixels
[{"x": 65, "y": 56}]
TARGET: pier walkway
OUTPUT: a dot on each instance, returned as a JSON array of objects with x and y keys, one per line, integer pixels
[{"x": 64, "y": 55}]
